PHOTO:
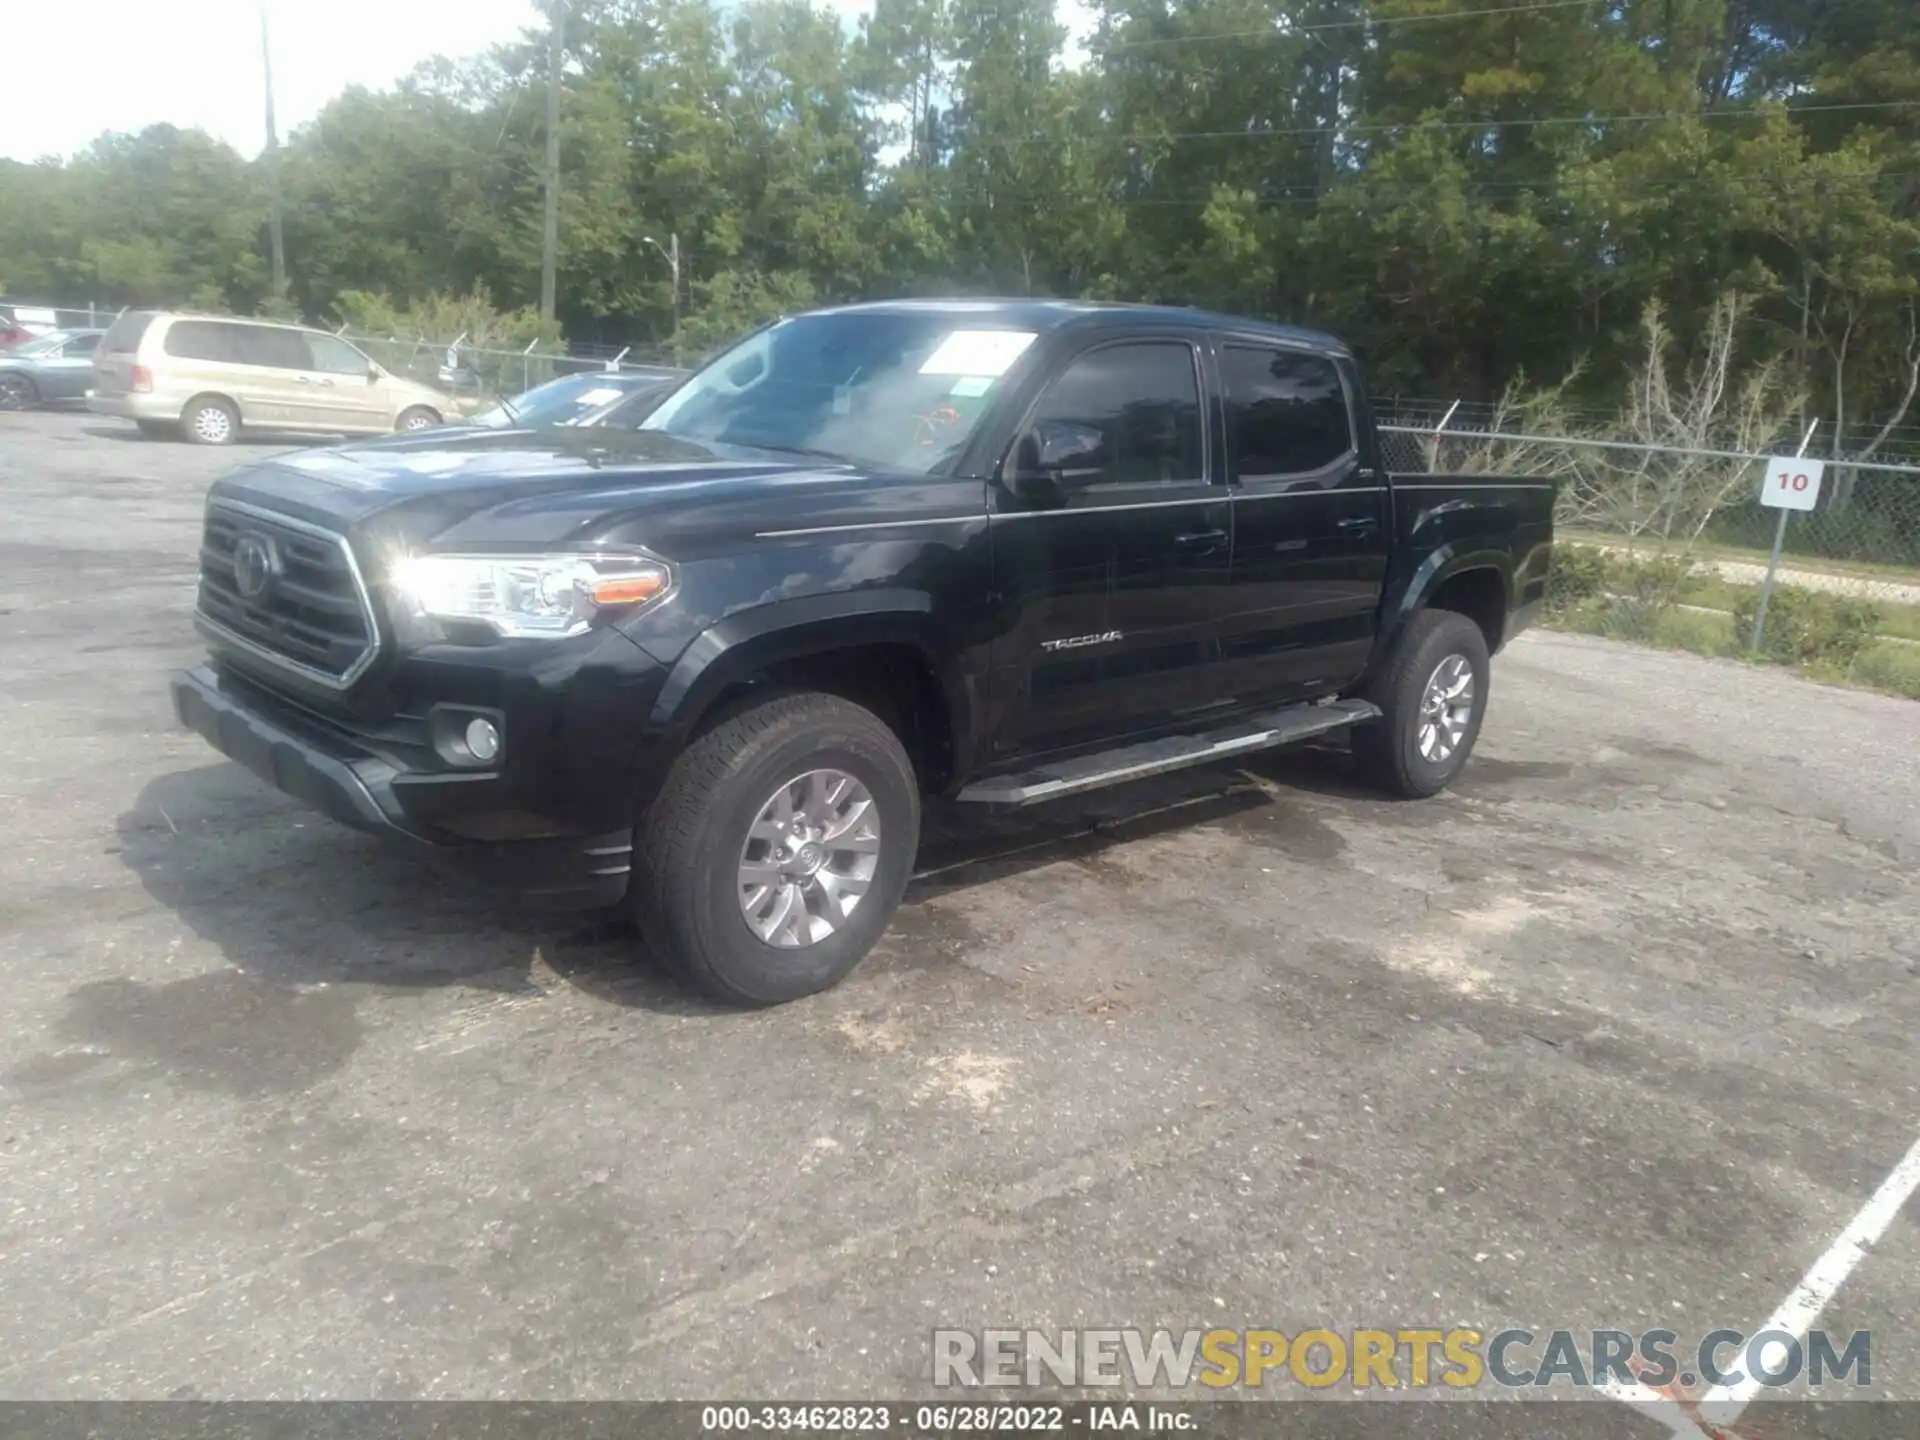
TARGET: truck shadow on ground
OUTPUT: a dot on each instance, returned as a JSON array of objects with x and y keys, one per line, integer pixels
[{"x": 295, "y": 902}]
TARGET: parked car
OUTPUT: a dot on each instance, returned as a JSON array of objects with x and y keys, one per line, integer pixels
[
  {"x": 575, "y": 399},
  {"x": 997, "y": 552},
  {"x": 13, "y": 333},
  {"x": 211, "y": 378},
  {"x": 48, "y": 370}
]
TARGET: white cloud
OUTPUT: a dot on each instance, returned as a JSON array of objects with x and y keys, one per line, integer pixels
[{"x": 76, "y": 69}]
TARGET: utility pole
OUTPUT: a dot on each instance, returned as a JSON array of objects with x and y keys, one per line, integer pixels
[
  {"x": 671, "y": 250},
  {"x": 275, "y": 236},
  {"x": 550, "y": 236}
]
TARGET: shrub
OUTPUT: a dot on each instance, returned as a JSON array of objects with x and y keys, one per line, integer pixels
[
  {"x": 1641, "y": 591},
  {"x": 1810, "y": 627},
  {"x": 1579, "y": 574}
]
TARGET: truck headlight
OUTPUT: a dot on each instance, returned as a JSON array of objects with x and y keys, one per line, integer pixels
[{"x": 548, "y": 596}]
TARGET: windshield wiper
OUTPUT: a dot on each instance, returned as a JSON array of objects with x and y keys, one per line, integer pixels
[{"x": 805, "y": 450}]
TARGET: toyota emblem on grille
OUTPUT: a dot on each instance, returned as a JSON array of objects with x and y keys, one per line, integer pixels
[{"x": 255, "y": 563}]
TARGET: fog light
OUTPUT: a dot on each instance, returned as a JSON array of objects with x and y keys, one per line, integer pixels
[{"x": 483, "y": 739}]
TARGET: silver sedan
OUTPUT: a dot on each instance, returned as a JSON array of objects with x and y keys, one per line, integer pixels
[{"x": 56, "y": 367}]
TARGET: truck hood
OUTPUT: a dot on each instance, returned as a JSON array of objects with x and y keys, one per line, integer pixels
[{"x": 521, "y": 487}]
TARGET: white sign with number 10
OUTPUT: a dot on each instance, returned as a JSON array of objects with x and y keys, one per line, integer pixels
[{"x": 1792, "y": 483}]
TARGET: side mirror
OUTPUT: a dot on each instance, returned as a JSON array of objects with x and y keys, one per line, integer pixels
[
  {"x": 1054, "y": 457},
  {"x": 374, "y": 372}
]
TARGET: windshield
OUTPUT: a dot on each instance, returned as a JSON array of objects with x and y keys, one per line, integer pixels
[
  {"x": 558, "y": 402},
  {"x": 41, "y": 346},
  {"x": 901, "y": 392}
]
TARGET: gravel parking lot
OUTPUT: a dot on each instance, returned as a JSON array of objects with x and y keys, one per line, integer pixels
[{"x": 1618, "y": 1033}]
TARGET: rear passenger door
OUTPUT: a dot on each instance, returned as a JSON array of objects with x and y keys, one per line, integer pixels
[
  {"x": 1309, "y": 521},
  {"x": 1114, "y": 585}
]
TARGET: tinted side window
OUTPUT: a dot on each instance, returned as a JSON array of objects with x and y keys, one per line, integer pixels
[
  {"x": 334, "y": 356},
  {"x": 1144, "y": 399},
  {"x": 1286, "y": 412},
  {"x": 80, "y": 345},
  {"x": 201, "y": 340},
  {"x": 270, "y": 345}
]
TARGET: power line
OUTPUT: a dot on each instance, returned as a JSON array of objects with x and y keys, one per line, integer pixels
[
  {"x": 1273, "y": 33},
  {"x": 1416, "y": 126}
]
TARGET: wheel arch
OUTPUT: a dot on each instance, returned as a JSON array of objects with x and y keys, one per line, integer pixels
[
  {"x": 230, "y": 401},
  {"x": 882, "y": 648},
  {"x": 1472, "y": 580}
]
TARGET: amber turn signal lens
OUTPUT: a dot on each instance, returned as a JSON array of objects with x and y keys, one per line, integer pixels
[{"x": 628, "y": 589}]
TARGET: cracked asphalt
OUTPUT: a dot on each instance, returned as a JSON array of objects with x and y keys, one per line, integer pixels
[{"x": 1617, "y": 1033}]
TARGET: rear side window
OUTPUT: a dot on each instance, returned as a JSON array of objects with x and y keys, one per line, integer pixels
[
  {"x": 124, "y": 335},
  {"x": 79, "y": 345},
  {"x": 270, "y": 345},
  {"x": 202, "y": 340},
  {"x": 1286, "y": 412}
]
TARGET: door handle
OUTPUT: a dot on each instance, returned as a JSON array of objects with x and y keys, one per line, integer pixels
[
  {"x": 1201, "y": 542},
  {"x": 324, "y": 381},
  {"x": 304, "y": 379},
  {"x": 1357, "y": 525}
]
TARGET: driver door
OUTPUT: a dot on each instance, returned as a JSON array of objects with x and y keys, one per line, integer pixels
[{"x": 1114, "y": 582}]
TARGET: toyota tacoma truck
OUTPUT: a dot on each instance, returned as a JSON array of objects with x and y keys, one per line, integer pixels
[{"x": 706, "y": 664}]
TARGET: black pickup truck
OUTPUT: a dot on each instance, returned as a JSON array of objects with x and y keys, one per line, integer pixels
[{"x": 706, "y": 662}]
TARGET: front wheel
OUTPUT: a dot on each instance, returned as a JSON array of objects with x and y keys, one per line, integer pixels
[
  {"x": 1432, "y": 694},
  {"x": 778, "y": 849},
  {"x": 417, "y": 418}
]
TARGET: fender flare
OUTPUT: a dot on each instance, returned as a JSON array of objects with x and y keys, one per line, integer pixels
[
  {"x": 735, "y": 647},
  {"x": 1434, "y": 570}
]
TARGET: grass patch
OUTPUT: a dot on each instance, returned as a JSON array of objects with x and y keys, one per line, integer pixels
[
  {"x": 1813, "y": 564},
  {"x": 1889, "y": 666},
  {"x": 1897, "y": 621}
]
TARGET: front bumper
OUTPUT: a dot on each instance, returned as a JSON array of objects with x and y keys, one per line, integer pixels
[{"x": 325, "y": 770}]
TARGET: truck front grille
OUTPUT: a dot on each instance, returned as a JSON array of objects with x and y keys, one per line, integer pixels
[{"x": 287, "y": 591}]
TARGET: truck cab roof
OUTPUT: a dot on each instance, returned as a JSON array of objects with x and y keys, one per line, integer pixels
[{"x": 1043, "y": 316}]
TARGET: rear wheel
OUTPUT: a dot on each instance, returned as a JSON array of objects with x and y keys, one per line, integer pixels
[
  {"x": 209, "y": 420},
  {"x": 778, "y": 848},
  {"x": 417, "y": 418},
  {"x": 1432, "y": 693},
  {"x": 18, "y": 392}
]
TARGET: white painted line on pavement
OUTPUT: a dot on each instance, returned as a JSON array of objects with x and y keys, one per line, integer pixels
[
  {"x": 1663, "y": 1409},
  {"x": 1800, "y": 1309}
]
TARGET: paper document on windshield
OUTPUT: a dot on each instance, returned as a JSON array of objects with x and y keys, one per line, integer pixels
[
  {"x": 989, "y": 353},
  {"x": 600, "y": 395}
]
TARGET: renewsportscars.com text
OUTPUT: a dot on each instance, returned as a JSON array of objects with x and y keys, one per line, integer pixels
[{"x": 1399, "y": 1358}]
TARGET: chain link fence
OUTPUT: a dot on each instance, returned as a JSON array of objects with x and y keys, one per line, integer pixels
[
  {"x": 1861, "y": 540},
  {"x": 478, "y": 375}
]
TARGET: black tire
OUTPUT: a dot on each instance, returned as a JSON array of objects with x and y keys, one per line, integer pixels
[
  {"x": 158, "y": 429},
  {"x": 417, "y": 417},
  {"x": 210, "y": 420},
  {"x": 1387, "y": 751},
  {"x": 18, "y": 392},
  {"x": 690, "y": 845}
]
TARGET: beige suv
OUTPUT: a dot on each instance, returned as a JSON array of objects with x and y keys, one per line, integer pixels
[{"x": 208, "y": 377}]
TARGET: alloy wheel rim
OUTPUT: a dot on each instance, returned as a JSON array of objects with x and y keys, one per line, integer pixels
[
  {"x": 212, "y": 424},
  {"x": 809, "y": 858},
  {"x": 1446, "y": 709},
  {"x": 13, "y": 394},
  {"x": 419, "y": 422}
]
